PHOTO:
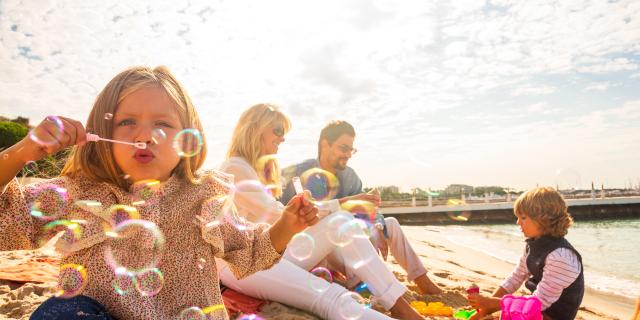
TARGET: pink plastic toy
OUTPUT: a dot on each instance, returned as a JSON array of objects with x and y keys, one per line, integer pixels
[
  {"x": 520, "y": 308},
  {"x": 95, "y": 137}
]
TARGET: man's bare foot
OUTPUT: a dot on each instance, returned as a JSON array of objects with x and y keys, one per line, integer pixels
[
  {"x": 403, "y": 310},
  {"x": 426, "y": 286}
]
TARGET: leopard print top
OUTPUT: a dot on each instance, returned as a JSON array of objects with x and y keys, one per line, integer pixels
[{"x": 193, "y": 218}]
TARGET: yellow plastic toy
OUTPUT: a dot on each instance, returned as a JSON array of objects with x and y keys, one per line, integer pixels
[{"x": 432, "y": 309}]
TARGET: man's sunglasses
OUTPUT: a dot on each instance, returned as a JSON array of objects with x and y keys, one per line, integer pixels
[{"x": 346, "y": 149}]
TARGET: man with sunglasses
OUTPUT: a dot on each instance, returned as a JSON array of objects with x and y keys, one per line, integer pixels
[{"x": 335, "y": 148}]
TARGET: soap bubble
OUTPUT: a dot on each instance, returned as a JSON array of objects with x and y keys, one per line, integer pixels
[
  {"x": 92, "y": 206},
  {"x": 351, "y": 305},
  {"x": 138, "y": 242},
  {"x": 71, "y": 228},
  {"x": 267, "y": 168},
  {"x": 568, "y": 179},
  {"x": 201, "y": 263},
  {"x": 301, "y": 246},
  {"x": 249, "y": 317},
  {"x": 361, "y": 208},
  {"x": 322, "y": 184},
  {"x": 342, "y": 228},
  {"x": 192, "y": 313},
  {"x": 320, "y": 279},
  {"x": 124, "y": 281},
  {"x": 188, "y": 142},
  {"x": 49, "y": 201},
  {"x": 144, "y": 191},
  {"x": 149, "y": 282},
  {"x": 158, "y": 136},
  {"x": 458, "y": 210},
  {"x": 249, "y": 193},
  {"x": 50, "y": 136},
  {"x": 30, "y": 169},
  {"x": 72, "y": 279},
  {"x": 119, "y": 213},
  {"x": 108, "y": 116},
  {"x": 216, "y": 311}
]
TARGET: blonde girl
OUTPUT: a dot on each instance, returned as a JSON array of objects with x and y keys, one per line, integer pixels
[{"x": 181, "y": 205}]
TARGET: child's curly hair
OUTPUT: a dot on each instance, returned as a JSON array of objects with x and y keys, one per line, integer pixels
[{"x": 546, "y": 207}]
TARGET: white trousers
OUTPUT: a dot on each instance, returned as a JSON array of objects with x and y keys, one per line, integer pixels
[
  {"x": 290, "y": 282},
  {"x": 399, "y": 248}
]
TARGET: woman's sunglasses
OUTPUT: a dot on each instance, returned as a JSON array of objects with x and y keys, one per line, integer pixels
[{"x": 278, "y": 131}]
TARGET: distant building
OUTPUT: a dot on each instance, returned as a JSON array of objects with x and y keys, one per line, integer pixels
[
  {"x": 388, "y": 189},
  {"x": 458, "y": 189}
]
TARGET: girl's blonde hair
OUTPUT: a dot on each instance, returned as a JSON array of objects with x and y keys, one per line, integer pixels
[
  {"x": 545, "y": 206},
  {"x": 246, "y": 141},
  {"x": 95, "y": 160}
]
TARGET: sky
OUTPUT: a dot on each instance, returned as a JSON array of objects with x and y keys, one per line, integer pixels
[{"x": 509, "y": 93}]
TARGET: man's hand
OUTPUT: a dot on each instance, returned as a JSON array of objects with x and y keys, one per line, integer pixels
[
  {"x": 373, "y": 198},
  {"x": 381, "y": 243}
]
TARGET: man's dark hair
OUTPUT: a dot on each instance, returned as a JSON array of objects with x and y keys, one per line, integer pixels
[{"x": 334, "y": 130}]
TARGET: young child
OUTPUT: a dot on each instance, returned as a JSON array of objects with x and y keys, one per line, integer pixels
[
  {"x": 550, "y": 265},
  {"x": 133, "y": 107}
]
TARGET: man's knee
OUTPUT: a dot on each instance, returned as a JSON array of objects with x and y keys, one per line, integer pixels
[
  {"x": 393, "y": 226},
  {"x": 391, "y": 221}
]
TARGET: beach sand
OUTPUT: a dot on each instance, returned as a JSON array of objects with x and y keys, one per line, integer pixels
[{"x": 452, "y": 266}]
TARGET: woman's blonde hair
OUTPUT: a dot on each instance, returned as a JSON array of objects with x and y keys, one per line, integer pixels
[
  {"x": 545, "y": 206},
  {"x": 95, "y": 160},
  {"x": 246, "y": 141}
]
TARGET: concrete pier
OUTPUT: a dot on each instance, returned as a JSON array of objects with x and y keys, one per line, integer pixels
[{"x": 502, "y": 212}]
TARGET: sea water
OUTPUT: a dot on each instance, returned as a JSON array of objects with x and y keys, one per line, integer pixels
[{"x": 610, "y": 249}]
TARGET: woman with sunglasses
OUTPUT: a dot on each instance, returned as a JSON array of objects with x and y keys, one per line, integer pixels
[{"x": 256, "y": 138}]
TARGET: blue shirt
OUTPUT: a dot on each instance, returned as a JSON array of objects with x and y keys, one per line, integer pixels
[{"x": 350, "y": 183}]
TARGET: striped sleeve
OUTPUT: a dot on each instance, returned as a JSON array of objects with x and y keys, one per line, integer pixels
[
  {"x": 517, "y": 277},
  {"x": 561, "y": 269}
]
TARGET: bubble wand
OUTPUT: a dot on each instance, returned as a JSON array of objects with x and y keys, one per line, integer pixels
[{"x": 95, "y": 138}]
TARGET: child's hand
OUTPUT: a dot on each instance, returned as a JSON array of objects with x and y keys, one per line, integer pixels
[
  {"x": 300, "y": 213},
  {"x": 49, "y": 138},
  {"x": 483, "y": 304}
]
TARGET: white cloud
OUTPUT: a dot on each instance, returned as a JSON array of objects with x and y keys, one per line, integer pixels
[
  {"x": 598, "y": 86},
  {"x": 620, "y": 64},
  {"x": 534, "y": 90},
  {"x": 405, "y": 73}
]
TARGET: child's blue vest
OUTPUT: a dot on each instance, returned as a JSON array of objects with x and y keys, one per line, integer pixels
[{"x": 567, "y": 305}]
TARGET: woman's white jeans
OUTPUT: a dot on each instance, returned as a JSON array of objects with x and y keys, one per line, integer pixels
[{"x": 288, "y": 281}]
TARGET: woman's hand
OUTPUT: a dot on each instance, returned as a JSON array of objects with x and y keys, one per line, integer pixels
[{"x": 51, "y": 136}]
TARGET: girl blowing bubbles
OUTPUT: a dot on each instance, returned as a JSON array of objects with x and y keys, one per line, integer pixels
[
  {"x": 136, "y": 103},
  {"x": 550, "y": 265}
]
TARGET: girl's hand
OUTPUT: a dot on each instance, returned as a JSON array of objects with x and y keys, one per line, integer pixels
[
  {"x": 300, "y": 213},
  {"x": 297, "y": 216},
  {"x": 49, "y": 138}
]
